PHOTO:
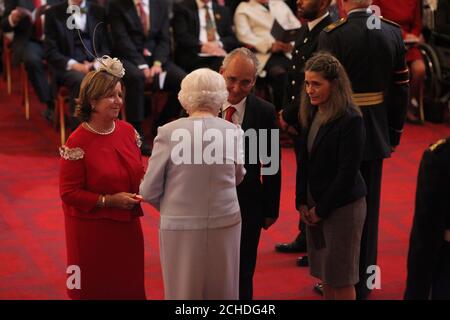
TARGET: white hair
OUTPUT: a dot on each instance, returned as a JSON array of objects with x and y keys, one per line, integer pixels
[{"x": 203, "y": 90}]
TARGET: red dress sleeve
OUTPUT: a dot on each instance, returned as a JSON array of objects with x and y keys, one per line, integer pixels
[{"x": 72, "y": 185}]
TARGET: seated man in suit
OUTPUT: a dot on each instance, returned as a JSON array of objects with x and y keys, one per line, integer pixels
[
  {"x": 259, "y": 192},
  {"x": 25, "y": 19},
  {"x": 66, "y": 51},
  {"x": 140, "y": 31},
  {"x": 203, "y": 34},
  {"x": 253, "y": 21}
]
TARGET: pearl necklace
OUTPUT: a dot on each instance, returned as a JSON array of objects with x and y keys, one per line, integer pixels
[{"x": 101, "y": 133}]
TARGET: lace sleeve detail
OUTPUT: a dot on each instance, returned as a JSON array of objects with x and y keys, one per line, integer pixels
[
  {"x": 71, "y": 153},
  {"x": 138, "y": 138}
]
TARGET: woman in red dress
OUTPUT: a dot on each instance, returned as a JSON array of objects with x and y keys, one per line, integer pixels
[
  {"x": 408, "y": 14},
  {"x": 100, "y": 172}
]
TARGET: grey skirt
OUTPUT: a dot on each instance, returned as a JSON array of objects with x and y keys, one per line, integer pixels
[{"x": 334, "y": 245}]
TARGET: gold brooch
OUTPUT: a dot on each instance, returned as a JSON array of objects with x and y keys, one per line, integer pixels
[
  {"x": 217, "y": 16},
  {"x": 138, "y": 139},
  {"x": 71, "y": 153}
]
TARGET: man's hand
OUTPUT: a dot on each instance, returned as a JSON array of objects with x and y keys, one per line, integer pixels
[
  {"x": 268, "y": 222},
  {"x": 279, "y": 46},
  {"x": 313, "y": 217},
  {"x": 82, "y": 67},
  {"x": 303, "y": 210},
  {"x": 409, "y": 37},
  {"x": 41, "y": 10},
  {"x": 283, "y": 124},
  {"x": 213, "y": 48},
  {"x": 155, "y": 70}
]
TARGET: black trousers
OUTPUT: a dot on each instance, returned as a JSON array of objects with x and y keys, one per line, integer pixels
[
  {"x": 441, "y": 278},
  {"x": 214, "y": 63},
  {"x": 134, "y": 81},
  {"x": 371, "y": 172},
  {"x": 32, "y": 56},
  {"x": 251, "y": 231},
  {"x": 277, "y": 67},
  {"x": 301, "y": 236}
]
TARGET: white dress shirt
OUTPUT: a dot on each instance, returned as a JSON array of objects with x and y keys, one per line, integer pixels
[
  {"x": 315, "y": 22},
  {"x": 202, "y": 19}
]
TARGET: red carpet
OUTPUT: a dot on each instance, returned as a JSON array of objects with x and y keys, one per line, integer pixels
[{"x": 32, "y": 246}]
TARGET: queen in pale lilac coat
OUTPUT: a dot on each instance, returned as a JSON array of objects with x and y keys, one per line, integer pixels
[{"x": 191, "y": 179}]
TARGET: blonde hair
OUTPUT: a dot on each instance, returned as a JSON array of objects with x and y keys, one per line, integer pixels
[{"x": 341, "y": 90}]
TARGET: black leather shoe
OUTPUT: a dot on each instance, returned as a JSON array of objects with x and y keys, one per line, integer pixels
[
  {"x": 145, "y": 149},
  {"x": 291, "y": 247},
  {"x": 318, "y": 288},
  {"x": 303, "y": 261}
]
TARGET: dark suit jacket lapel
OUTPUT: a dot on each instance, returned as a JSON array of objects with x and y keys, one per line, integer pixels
[
  {"x": 249, "y": 114},
  {"x": 131, "y": 11},
  {"x": 63, "y": 16},
  {"x": 90, "y": 21},
  {"x": 29, "y": 4},
  {"x": 194, "y": 8},
  {"x": 217, "y": 17},
  {"x": 323, "y": 131}
]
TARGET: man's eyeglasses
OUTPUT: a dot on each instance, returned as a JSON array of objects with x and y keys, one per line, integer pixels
[{"x": 244, "y": 84}]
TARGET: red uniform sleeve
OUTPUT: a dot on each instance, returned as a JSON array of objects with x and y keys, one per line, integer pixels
[{"x": 416, "y": 27}]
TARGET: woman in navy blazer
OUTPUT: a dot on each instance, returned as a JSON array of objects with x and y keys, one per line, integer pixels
[{"x": 330, "y": 193}]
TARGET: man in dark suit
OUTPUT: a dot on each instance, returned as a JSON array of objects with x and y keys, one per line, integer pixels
[
  {"x": 66, "y": 51},
  {"x": 429, "y": 244},
  {"x": 259, "y": 193},
  {"x": 372, "y": 52},
  {"x": 25, "y": 19},
  {"x": 203, "y": 34},
  {"x": 140, "y": 32},
  {"x": 316, "y": 18}
]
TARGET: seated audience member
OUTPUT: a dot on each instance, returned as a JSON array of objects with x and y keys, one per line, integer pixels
[
  {"x": 26, "y": 19},
  {"x": 429, "y": 243},
  {"x": 140, "y": 33},
  {"x": 202, "y": 33},
  {"x": 200, "y": 227},
  {"x": 407, "y": 13},
  {"x": 330, "y": 190},
  {"x": 66, "y": 49},
  {"x": 253, "y": 22}
]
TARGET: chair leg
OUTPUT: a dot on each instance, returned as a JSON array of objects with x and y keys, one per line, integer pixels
[
  {"x": 62, "y": 124},
  {"x": 25, "y": 92},
  {"x": 8, "y": 70},
  {"x": 421, "y": 111}
]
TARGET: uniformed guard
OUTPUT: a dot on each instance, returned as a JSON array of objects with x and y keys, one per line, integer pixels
[
  {"x": 429, "y": 244},
  {"x": 373, "y": 53}
]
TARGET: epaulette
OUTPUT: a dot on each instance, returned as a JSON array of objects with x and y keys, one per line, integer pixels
[
  {"x": 335, "y": 25},
  {"x": 437, "y": 144},
  {"x": 390, "y": 22}
]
